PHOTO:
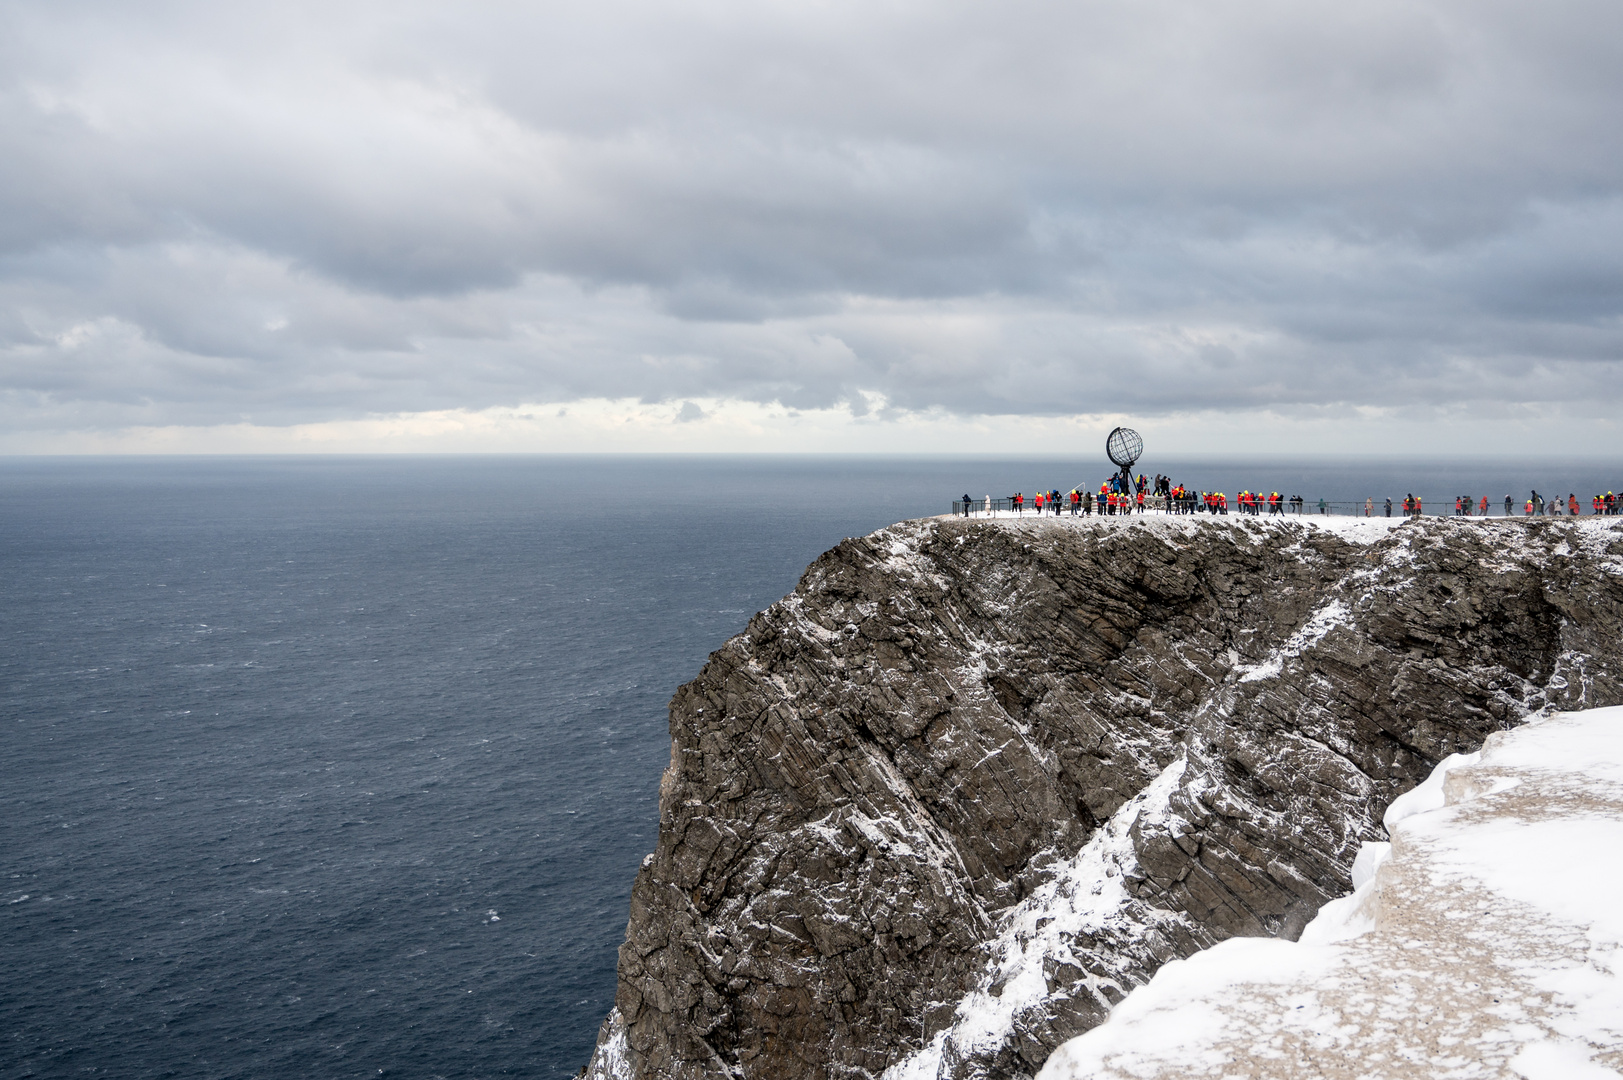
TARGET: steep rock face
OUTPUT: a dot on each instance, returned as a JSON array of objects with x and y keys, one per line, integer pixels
[{"x": 940, "y": 807}]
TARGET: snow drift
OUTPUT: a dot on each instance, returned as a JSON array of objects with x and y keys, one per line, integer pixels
[{"x": 1485, "y": 943}]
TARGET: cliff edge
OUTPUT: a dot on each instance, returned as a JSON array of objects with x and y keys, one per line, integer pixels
[{"x": 933, "y": 813}]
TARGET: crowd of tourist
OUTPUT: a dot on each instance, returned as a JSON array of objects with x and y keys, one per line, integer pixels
[
  {"x": 1535, "y": 505},
  {"x": 1116, "y": 497}
]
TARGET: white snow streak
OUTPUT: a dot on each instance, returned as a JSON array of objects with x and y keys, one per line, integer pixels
[
  {"x": 1321, "y": 622},
  {"x": 1084, "y": 896}
]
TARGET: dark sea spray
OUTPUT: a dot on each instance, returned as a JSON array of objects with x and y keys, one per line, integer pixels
[{"x": 327, "y": 766}]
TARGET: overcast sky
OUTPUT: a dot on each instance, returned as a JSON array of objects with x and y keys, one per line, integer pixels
[{"x": 706, "y": 225}]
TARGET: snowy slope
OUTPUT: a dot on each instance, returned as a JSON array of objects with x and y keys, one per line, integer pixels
[{"x": 1484, "y": 944}]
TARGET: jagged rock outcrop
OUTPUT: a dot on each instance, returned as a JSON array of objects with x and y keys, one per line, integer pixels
[{"x": 972, "y": 781}]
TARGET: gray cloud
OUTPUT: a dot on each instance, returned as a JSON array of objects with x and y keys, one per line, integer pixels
[{"x": 291, "y": 212}]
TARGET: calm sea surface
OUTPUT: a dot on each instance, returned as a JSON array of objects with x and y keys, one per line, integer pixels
[{"x": 342, "y": 767}]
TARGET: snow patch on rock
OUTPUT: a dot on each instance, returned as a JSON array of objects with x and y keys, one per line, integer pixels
[
  {"x": 611, "y": 1060},
  {"x": 1321, "y": 622},
  {"x": 1085, "y": 896}
]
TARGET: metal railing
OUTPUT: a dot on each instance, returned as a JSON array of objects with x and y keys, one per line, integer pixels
[{"x": 1156, "y": 504}]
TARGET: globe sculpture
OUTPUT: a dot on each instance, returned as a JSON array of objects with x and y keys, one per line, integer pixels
[{"x": 1124, "y": 447}]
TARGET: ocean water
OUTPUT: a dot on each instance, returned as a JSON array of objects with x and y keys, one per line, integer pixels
[{"x": 342, "y": 767}]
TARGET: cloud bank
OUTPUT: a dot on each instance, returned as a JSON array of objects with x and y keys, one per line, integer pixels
[{"x": 292, "y": 214}]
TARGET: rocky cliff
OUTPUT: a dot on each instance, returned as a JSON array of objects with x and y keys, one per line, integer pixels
[{"x": 934, "y": 812}]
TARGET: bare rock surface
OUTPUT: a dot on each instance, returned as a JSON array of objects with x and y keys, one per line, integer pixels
[{"x": 933, "y": 813}]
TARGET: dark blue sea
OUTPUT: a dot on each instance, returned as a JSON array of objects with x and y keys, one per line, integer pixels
[{"x": 342, "y": 767}]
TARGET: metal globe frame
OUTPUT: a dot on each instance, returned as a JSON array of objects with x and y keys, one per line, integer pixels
[{"x": 1124, "y": 446}]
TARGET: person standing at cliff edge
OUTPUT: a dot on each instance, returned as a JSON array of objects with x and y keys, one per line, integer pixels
[
  {"x": 1507, "y": 505},
  {"x": 1389, "y": 507}
]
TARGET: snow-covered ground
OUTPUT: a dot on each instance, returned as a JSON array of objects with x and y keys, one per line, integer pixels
[
  {"x": 1482, "y": 942},
  {"x": 1358, "y": 529}
]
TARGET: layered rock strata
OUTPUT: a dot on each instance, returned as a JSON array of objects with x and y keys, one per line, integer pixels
[{"x": 938, "y": 809}]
